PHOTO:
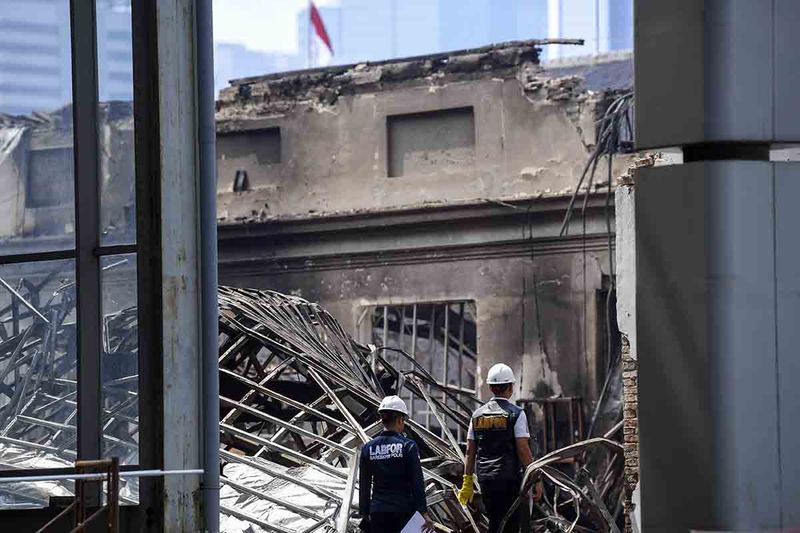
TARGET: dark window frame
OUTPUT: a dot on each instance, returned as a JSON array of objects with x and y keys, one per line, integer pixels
[
  {"x": 462, "y": 341},
  {"x": 87, "y": 253}
]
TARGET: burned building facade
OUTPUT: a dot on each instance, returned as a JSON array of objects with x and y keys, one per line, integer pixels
[
  {"x": 37, "y": 183},
  {"x": 422, "y": 201}
]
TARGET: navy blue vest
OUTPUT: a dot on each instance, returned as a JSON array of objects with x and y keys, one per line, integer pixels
[{"x": 493, "y": 428}]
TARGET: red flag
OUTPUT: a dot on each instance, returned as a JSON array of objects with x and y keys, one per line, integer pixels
[{"x": 319, "y": 26}]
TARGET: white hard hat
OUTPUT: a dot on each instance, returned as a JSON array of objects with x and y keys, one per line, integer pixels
[
  {"x": 393, "y": 403},
  {"x": 500, "y": 374}
]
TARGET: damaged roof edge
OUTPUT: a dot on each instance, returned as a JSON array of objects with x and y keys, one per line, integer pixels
[
  {"x": 327, "y": 84},
  {"x": 441, "y": 56}
]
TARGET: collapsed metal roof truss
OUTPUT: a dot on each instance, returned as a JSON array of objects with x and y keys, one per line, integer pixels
[{"x": 298, "y": 398}]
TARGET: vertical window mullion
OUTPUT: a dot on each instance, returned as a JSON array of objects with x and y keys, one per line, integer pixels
[
  {"x": 87, "y": 207},
  {"x": 147, "y": 168}
]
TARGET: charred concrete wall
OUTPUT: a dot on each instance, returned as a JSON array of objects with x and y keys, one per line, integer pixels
[
  {"x": 539, "y": 300},
  {"x": 550, "y": 358},
  {"x": 433, "y": 179},
  {"x": 487, "y": 124},
  {"x": 37, "y": 183}
]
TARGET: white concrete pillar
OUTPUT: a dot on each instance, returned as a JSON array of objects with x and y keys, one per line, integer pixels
[{"x": 182, "y": 432}]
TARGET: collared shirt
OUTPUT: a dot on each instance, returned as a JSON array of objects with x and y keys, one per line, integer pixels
[
  {"x": 390, "y": 476},
  {"x": 520, "y": 427}
]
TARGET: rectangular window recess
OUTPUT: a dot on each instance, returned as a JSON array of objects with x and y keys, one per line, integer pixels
[
  {"x": 263, "y": 145},
  {"x": 50, "y": 181},
  {"x": 429, "y": 142},
  {"x": 245, "y": 157}
]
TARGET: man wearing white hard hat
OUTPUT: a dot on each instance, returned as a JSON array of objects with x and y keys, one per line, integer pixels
[
  {"x": 497, "y": 450},
  {"x": 390, "y": 488}
]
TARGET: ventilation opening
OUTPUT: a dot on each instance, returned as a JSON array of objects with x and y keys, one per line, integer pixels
[
  {"x": 425, "y": 143},
  {"x": 241, "y": 182},
  {"x": 264, "y": 145}
]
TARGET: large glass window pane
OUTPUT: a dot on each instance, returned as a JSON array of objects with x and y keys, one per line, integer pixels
[
  {"x": 120, "y": 367},
  {"x": 115, "y": 89},
  {"x": 36, "y": 158},
  {"x": 37, "y": 374}
]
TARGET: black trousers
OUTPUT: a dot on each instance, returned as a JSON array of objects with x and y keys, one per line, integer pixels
[
  {"x": 388, "y": 522},
  {"x": 497, "y": 499}
]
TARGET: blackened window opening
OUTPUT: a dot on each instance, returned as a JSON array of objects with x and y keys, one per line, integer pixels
[{"x": 441, "y": 337}]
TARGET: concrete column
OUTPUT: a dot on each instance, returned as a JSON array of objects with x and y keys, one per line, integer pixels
[
  {"x": 182, "y": 434},
  {"x": 625, "y": 213},
  {"x": 716, "y": 298}
]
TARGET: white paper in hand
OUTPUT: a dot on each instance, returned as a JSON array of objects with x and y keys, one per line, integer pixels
[{"x": 415, "y": 524}]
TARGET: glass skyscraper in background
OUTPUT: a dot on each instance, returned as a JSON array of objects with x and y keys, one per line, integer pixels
[
  {"x": 369, "y": 30},
  {"x": 35, "y": 49},
  {"x": 35, "y": 58}
]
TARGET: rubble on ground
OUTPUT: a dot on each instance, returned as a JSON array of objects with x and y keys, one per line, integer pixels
[{"x": 298, "y": 398}]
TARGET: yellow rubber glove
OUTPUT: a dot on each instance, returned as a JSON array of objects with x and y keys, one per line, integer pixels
[{"x": 467, "y": 490}]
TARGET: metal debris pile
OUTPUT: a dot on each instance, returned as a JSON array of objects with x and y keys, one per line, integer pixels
[
  {"x": 38, "y": 383},
  {"x": 306, "y": 396},
  {"x": 582, "y": 501},
  {"x": 298, "y": 398}
]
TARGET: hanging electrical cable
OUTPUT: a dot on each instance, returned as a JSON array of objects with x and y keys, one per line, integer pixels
[{"x": 614, "y": 134}]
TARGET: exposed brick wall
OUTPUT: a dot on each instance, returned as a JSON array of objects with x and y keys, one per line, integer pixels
[{"x": 630, "y": 398}]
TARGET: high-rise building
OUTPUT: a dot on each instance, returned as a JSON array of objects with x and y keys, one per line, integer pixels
[
  {"x": 473, "y": 23},
  {"x": 35, "y": 54},
  {"x": 380, "y": 29},
  {"x": 237, "y": 61},
  {"x": 114, "y": 51},
  {"x": 604, "y": 25},
  {"x": 370, "y": 30}
]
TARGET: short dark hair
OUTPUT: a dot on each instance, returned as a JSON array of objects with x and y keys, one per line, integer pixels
[
  {"x": 390, "y": 418},
  {"x": 500, "y": 389}
]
